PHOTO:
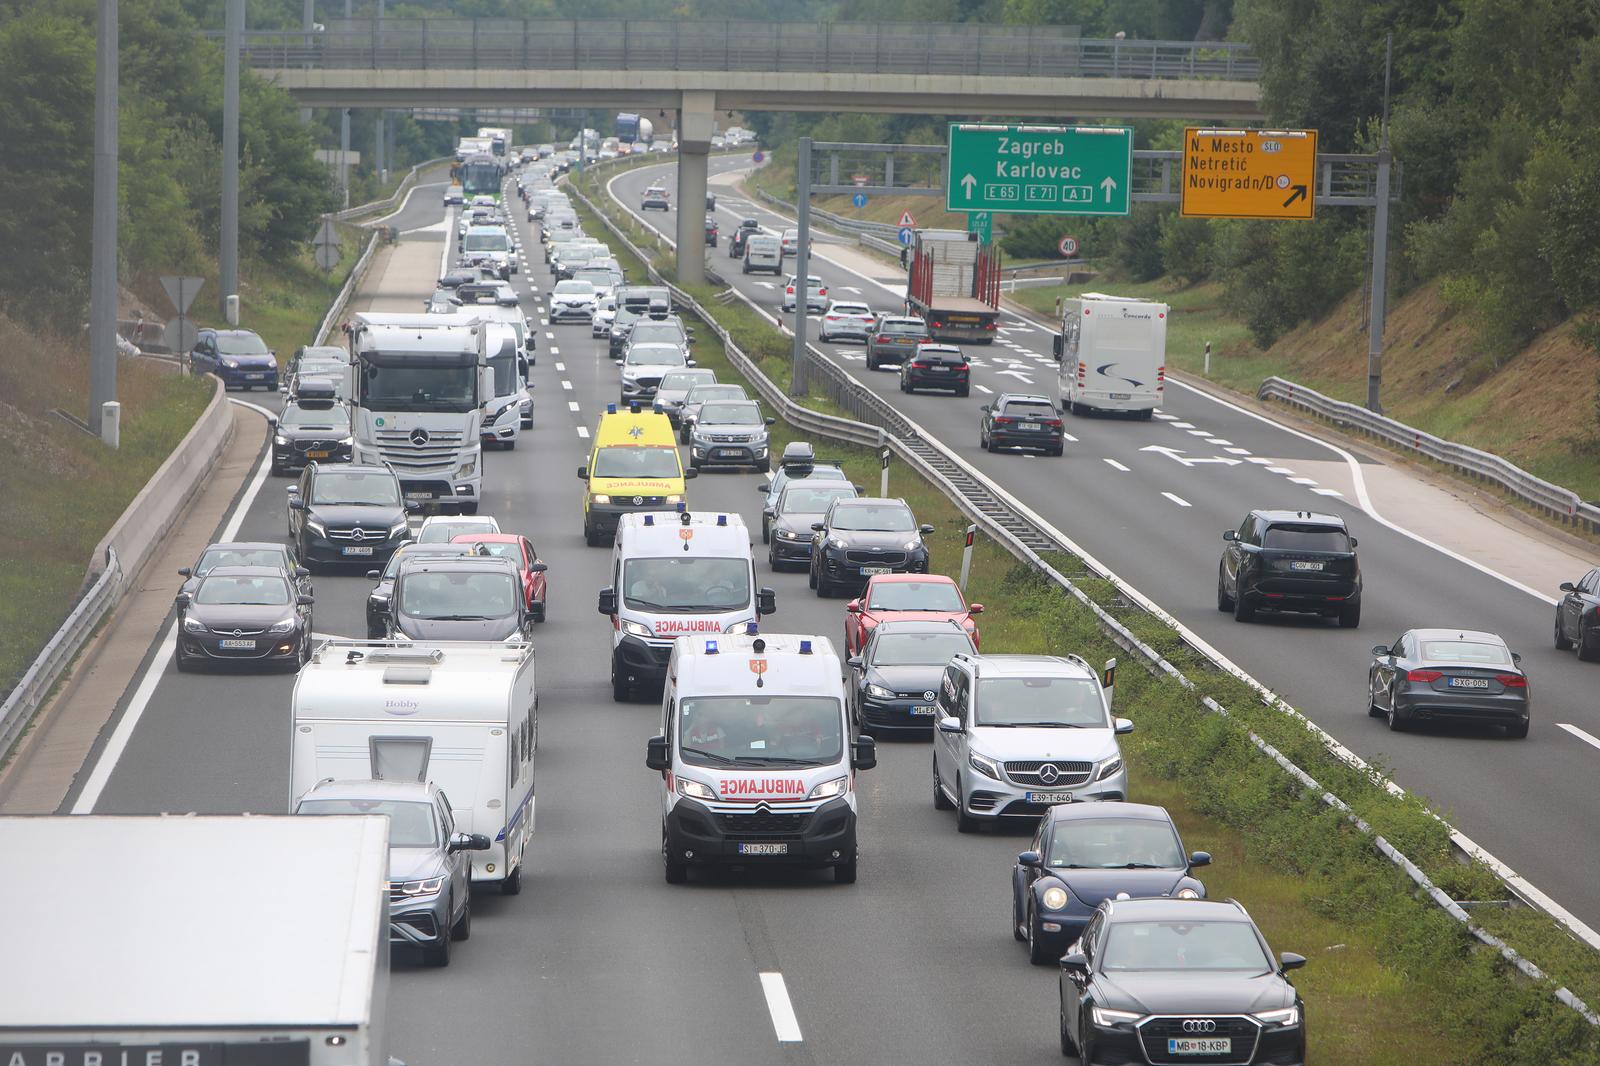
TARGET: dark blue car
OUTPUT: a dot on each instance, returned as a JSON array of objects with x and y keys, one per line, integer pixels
[
  {"x": 238, "y": 356},
  {"x": 1084, "y": 853}
]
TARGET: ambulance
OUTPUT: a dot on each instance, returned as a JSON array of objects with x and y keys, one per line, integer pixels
[
  {"x": 675, "y": 573},
  {"x": 634, "y": 467},
  {"x": 756, "y": 756}
]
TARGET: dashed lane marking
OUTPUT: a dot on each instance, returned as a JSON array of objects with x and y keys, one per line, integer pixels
[
  {"x": 1113, "y": 464},
  {"x": 1179, "y": 500},
  {"x": 572, "y": 405}
]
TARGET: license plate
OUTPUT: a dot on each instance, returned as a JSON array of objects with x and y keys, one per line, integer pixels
[
  {"x": 419, "y": 495},
  {"x": 366, "y": 550},
  {"x": 316, "y": 455},
  {"x": 763, "y": 849},
  {"x": 1206, "y": 1045},
  {"x": 940, "y": 369},
  {"x": 1469, "y": 682},
  {"x": 1298, "y": 565},
  {"x": 922, "y": 709},
  {"x": 1048, "y": 798},
  {"x": 868, "y": 571},
  {"x": 1124, "y": 396},
  {"x": 1034, "y": 426},
  {"x": 237, "y": 645},
  {"x": 730, "y": 453},
  {"x": 255, "y": 377}
]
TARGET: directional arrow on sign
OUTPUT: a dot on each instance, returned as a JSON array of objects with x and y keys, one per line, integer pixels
[
  {"x": 1108, "y": 184},
  {"x": 968, "y": 183},
  {"x": 1299, "y": 193},
  {"x": 1177, "y": 453}
]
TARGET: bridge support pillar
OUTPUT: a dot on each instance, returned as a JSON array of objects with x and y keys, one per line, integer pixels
[{"x": 696, "y": 122}]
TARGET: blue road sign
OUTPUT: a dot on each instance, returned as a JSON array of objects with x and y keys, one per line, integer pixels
[
  {"x": 905, "y": 236},
  {"x": 758, "y": 157},
  {"x": 859, "y": 199}
]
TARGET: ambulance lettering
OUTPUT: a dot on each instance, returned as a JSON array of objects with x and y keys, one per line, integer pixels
[
  {"x": 762, "y": 787},
  {"x": 673, "y": 626}
]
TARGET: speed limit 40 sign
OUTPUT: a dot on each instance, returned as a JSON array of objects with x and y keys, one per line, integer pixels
[{"x": 1068, "y": 247}]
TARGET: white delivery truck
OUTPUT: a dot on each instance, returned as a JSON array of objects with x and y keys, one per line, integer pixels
[
  {"x": 226, "y": 939},
  {"x": 757, "y": 759},
  {"x": 419, "y": 382},
  {"x": 462, "y": 714},
  {"x": 676, "y": 572},
  {"x": 1113, "y": 354}
]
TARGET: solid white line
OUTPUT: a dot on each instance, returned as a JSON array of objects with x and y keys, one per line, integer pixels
[
  {"x": 1116, "y": 465},
  {"x": 567, "y": 385},
  {"x": 1179, "y": 500},
  {"x": 572, "y": 405},
  {"x": 1587, "y": 737},
  {"x": 784, "y": 1023},
  {"x": 407, "y": 200},
  {"x": 583, "y": 431},
  {"x": 449, "y": 228}
]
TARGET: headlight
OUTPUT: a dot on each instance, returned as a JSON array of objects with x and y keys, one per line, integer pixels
[
  {"x": 281, "y": 441},
  {"x": 694, "y": 789},
  {"x": 194, "y": 625},
  {"x": 316, "y": 527},
  {"x": 637, "y": 629},
  {"x": 468, "y": 469},
  {"x": 600, "y": 498},
  {"x": 984, "y": 765},
  {"x": 789, "y": 534},
  {"x": 743, "y": 625},
  {"x": 674, "y": 499},
  {"x": 835, "y": 542},
  {"x": 880, "y": 692},
  {"x": 1108, "y": 767},
  {"x": 285, "y": 626},
  {"x": 428, "y": 886},
  {"x": 1106, "y": 1018},
  {"x": 837, "y": 787},
  {"x": 1287, "y": 1018},
  {"x": 1188, "y": 893},
  {"x": 231, "y": 364},
  {"x": 1054, "y": 898},
  {"x": 398, "y": 528},
  {"x": 913, "y": 545},
  {"x": 346, "y": 442}
]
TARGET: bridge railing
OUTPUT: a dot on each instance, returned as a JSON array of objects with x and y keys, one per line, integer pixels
[{"x": 735, "y": 45}]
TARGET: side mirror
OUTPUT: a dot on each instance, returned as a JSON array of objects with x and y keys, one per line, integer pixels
[
  {"x": 817, "y": 527},
  {"x": 853, "y": 607},
  {"x": 1123, "y": 726},
  {"x": 655, "y": 754},
  {"x": 950, "y": 724},
  {"x": 1566, "y": 586},
  {"x": 184, "y": 571},
  {"x": 772, "y": 421},
  {"x": 1515, "y": 657},
  {"x": 1230, "y": 534},
  {"x": 413, "y": 507},
  {"x": 1290, "y": 961},
  {"x": 292, "y": 490},
  {"x": 974, "y": 608},
  {"x": 607, "y": 603},
  {"x": 301, "y": 571},
  {"x": 1380, "y": 651},
  {"x": 766, "y": 601},
  {"x": 538, "y": 568},
  {"x": 864, "y": 753},
  {"x": 1200, "y": 858},
  {"x": 272, "y": 423},
  {"x": 925, "y": 529},
  {"x": 690, "y": 474},
  {"x": 1354, "y": 542},
  {"x": 296, "y": 504},
  {"x": 855, "y": 662},
  {"x": 688, "y": 362},
  {"x": 765, "y": 490},
  {"x": 1057, "y": 347},
  {"x": 985, "y": 407},
  {"x": 305, "y": 601},
  {"x": 617, "y": 361},
  {"x": 1074, "y": 963},
  {"x": 469, "y": 842},
  {"x": 373, "y": 575},
  {"x": 181, "y": 599},
  {"x": 583, "y": 473},
  {"x": 1031, "y": 859}
]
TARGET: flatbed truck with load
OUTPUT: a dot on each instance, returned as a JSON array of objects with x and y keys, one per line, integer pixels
[{"x": 954, "y": 285}]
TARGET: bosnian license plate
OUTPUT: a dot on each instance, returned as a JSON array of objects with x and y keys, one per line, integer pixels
[
  {"x": 1122, "y": 395},
  {"x": 316, "y": 455},
  {"x": 868, "y": 571},
  {"x": 763, "y": 849},
  {"x": 1203, "y": 1045},
  {"x": 365, "y": 549},
  {"x": 420, "y": 494},
  {"x": 237, "y": 645},
  {"x": 1469, "y": 682},
  {"x": 922, "y": 709},
  {"x": 1048, "y": 797},
  {"x": 1299, "y": 564}
]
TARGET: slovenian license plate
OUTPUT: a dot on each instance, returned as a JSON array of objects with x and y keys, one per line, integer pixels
[
  {"x": 1048, "y": 798},
  {"x": 419, "y": 495},
  {"x": 868, "y": 571},
  {"x": 1199, "y": 1045},
  {"x": 363, "y": 550},
  {"x": 763, "y": 849},
  {"x": 237, "y": 645},
  {"x": 316, "y": 455},
  {"x": 1469, "y": 682},
  {"x": 1122, "y": 395},
  {"x": 1299, "y": 564}
]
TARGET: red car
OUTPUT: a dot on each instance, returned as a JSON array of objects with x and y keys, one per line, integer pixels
[
  {"x": 520, "y": 549},
  {"x": 897, "y": 597}
]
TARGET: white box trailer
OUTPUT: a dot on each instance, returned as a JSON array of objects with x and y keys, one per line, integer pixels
[
  {"x": 462, "y": 714},
  {"x": 212, "y": 940},
  {"x": 1113, "y": 354}
]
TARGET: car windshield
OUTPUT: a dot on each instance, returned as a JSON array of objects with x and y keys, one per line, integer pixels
[
  {"x": 458, "y": 595},
  {"x": 241, "y": 344},
  {"x": 655, "y": 355},
  {"x": 761, "y": 731},
  {"x": 215, "y": 557},
  {"x": 443, "y": 532},
  {"x": 571, "y": 288},
  {"x": 1465, "y": 651},
  {"x": 879, "y": 517},
  {"x": 730, "y": 414},
  {"x": 1029, "y": 409},
  {"x": 500, "y": 549},
  {"x": 905, "y": 328},
  {"x": 686, "y": 584},
  {"x": 919, "y": 649},
  {"x": 244, "y": 591},
  {"x": 648, "y": 332},
  {"x": 336, "y": 489},
  {"x": 1307, "y": 538},
  {"x": 332, "y": 417},
  {"x": 636, "y": 463},
  {"x": 1057, "y": 702},
  {"x": 1114, "y": 844},
  {"x": 816, "y": 472},
  {"x": 485, "y": 242},
  {"x": 914, "y": 596},
  {"x": 702, "y": 394},
  {"x": 411, "y": 824},
  {"x": 684, "y": 380},
  {"x": 808, "y": 499},
  {"x": 849, "y": 309},
  {"x": 1185, "y": 946}
]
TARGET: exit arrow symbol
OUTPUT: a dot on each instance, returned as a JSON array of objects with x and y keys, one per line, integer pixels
[
  {"x": 1177, "y": 453},
  {"x": 968, "y": 183},
  {"x": 1107, "y": 184},
  {"x": 1299, "y": 193}
]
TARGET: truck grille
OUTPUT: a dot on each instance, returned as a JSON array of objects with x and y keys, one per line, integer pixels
[
  {"x": 1067, "y": 775},
  {"x": 763, "y": 825},
  {"x": 1241, "y": 1031},
  {"x": 871, "y": 558},
  {"x": 438, "y": 452}
]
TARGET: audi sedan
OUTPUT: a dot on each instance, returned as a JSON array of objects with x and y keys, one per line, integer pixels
[
  {"x": 243, "y": 616},
  {"x": 936, "y": 366},
  {"x": 1448, "y": 675}
]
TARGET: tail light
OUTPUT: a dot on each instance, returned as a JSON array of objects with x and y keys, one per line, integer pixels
[
  {"x": 1423, "y": 675},
  {"x": 989, "y": 325},
  {"x": 963, "y": 368},
  {"x": 1054, "y": 423},
  {"x": 823, "y": 291},
  {"x": 919, "y": 365},
  {"x": 1512, "y": 680},
  {"x": 1083, "y": 372},
  {"x": 1005, "y": 421}
]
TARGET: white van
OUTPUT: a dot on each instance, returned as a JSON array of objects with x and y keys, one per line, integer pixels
[
  {"x": 762, "y": 251},
  {"x": 1113, "y": 354},
  {"x": 510, "y": 409},
  {"x": 463, "y": 715},
  {"x": 757, "y": 759},
  {"x": 676, "y": 572}
]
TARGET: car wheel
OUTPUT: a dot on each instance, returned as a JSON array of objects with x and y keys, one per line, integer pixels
[
  {"x": 1350, "y": 615},
  {"x": 592, "y": 538},
  {"x": 941, "y": 802},
  {"x": 844, "y": 873},
  {"x": 438, "y": 955},
  {"x": 1224, "y": 601},
  {"x": 512, "y": 884},
  {"x": 1038, "y": 951},
  {"x": 766, "y": 530},
  {"x": 872, "y": 364},
  {"x": 1373, "y": 710},
  {"x": 469, "y": 508},
  {"x": 824, "y": 587},
  {"x": 1562, "y": 643},
  {"x": 964, "y": 392},
  {"x": 1057, "y": 452},
  {"x": 1398, "y": 722},
  {"x": 1018, "y": 918},
  {"x": 1243, "y": 609},
  {"x": 965, "y": 823},
  {"x": 764, "y": 466},
  {"x": 674, "y": 869},
  {"x": 1068, "y": 1047},
  {"x": 621, "y": 691},
  {"x": 983, "y": 442},
  {"x": 181, "y": 661},
  {"x": 993, "y": 446},
  {"x": 1588, "y": 647},
  {"x": 1517, "y": 730},
  {"x": 462, "y": 930},
  {"x": 811, "y": 577}
]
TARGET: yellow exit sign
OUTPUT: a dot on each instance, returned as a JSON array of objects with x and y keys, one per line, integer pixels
[{"x": 1248, "y": 174}]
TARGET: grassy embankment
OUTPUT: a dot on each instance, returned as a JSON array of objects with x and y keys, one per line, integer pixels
[{"x": 1392, "y": 979}]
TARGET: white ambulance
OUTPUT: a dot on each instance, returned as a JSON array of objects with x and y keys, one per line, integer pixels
[
  {"x": 462, "y": 714},
  {"x": 1113, "y": 354},
  {"x": 756, "y": 755},
  {"x": 676, "y": 573}
]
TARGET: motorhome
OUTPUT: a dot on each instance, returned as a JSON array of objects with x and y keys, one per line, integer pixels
[{"x": 1113, "y": 354}]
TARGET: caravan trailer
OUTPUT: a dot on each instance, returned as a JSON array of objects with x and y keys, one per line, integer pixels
[{"x": 1113, "y": 354}]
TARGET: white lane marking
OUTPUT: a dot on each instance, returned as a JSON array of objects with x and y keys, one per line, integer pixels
[
  {"x": 572, "y": 405},
  {"x": 554, "y": 350},
  {"x": 1218, "y": 441},
  {"x": 1116, "y": 465},
  {"x": 561, "y": 368},
  {"x": 1304, "y": 480},
  {"x": 545, "y": 322},
  {"x": 444, "y": 252},
  {"x": 1068, "y": 437},
  {"x": 1279, "y": 470},
  {"x": 1327, "y": 492},
  {"x": 1258, "y": 460},
  {"x": 402, "y": 207},
  {"x": 583, "y": 431},
  {"x": 1199, "y": 433},
  {"x": 567, "y": 385},
  {"x": 548, "y": 335},
  {"x": 1166, "y": 417},
  {"x": 1243, "y": 451},
  {"x": 986, "y": 390},
  {"x": 1583, "y": 735},
  {"x": 1183, "y": 425},
  {"x": 1179, "y": 500},
  {"x": 784, "y": 1023}
]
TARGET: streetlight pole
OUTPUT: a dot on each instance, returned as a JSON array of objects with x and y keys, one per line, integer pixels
[
  {"x": 103, "y": 243},
  {"x": 228, "y": 256}
]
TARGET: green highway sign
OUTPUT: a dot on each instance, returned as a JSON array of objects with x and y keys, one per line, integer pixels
[
  {"x": 1039, "y": 170},
  {"x": 981, "y": 223}
]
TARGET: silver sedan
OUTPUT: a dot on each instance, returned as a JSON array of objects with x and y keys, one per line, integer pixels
[{"x": 1448, "y": 675}]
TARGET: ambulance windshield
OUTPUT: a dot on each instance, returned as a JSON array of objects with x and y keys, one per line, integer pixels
[
  {"x": 760, "y": 731},
  {"x": 686, "y": 584}
]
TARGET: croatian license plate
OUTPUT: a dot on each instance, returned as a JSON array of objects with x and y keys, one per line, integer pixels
[
  {"x": 868, "y": 571},
  {"x": 1048, "y": 798},
  {"x": 424, "y": 495},
  {"x": 1207, "y": 1045},
  {"x": 237, "y": 645},
  {"x": 316, "y": 455},
  {"x": 1122, "y": 395},
  {"x": 763, "y": 849},
  {"x": 1469, "y": 682},
  {"x": 1298, "y": 565},
  {"x": 364, "y": 550},
  {"x": 1033, "y": 426},
  {"x": 921, "y": 710}
]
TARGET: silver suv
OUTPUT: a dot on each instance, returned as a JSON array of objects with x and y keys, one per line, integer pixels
[{"x": 1018, "y": 734}]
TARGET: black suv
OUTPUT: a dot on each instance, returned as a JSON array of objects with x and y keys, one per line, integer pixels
[
  {"x": 347, "y": 514},
  {"x": 309, "y": 431},
  {"x": 1021, "y": 421},
  {"x": 1290, "y": 561},
  {"x": 859, "y": 538},
  {"x": 736, "y": 241}
]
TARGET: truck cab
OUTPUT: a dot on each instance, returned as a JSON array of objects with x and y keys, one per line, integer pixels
[
  {"x": 756, "y": 755},
  {"x": 509, "y": 408}
]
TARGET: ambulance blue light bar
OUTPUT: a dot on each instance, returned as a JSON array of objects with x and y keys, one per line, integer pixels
[
  {"x": 805, "y": 647},
  {"x": 649, "y": 519},
  {"x": 611, "y": 408},
  {"x": 722, "y": 519},
  {"x": 711, "y": 647},
  {"x": 751, "y": 629}
]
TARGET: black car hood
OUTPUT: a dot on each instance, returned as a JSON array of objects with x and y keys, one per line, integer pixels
[
  {"x": 350, "y": 514},
  {"x": 866, "y": 538},
  {"x": 439, "y": 629},
  {"x": 1195, "y": 992},
  {"x": 795, "y": 522},
  {"x": 229, "y": 616},
  {"x": 907, "y": 678},
  {"x": 1092, "y": 886}
]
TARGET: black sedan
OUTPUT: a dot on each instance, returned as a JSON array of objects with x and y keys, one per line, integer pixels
[
  {"x": 895, "y": 679},
  {"x": 936, "y": 366},
  {"x": 1448, "y": 675},
  {"x": 1083, "y": 853},
  {"x": 1021, "y": 421},
  {"x": 244, "y": 616},
  {"x": 859, "y": 538},
  {"x": 379, "y": 599},
  {"x": 1179, "y": 980},
  {"x": 1578, "y": 617},
  {"x": 310, "y": 432},
  {"x": 1298, "y": 561},
  {"x": 803, "y": 502},
  {"x": 247, "y": 553}
]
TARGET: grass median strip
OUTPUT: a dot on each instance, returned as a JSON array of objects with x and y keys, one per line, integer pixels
[{"x": 1394, "y": 979}]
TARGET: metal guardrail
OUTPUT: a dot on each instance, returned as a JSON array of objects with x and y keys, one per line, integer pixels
[
  {"x": 341, "y": 301},
  {"x": 393, "y": 201},
  {"x": 1554, "y": 500},
  {"x": 1024, "y": 536},
  {"x": 961, "y": 49}
]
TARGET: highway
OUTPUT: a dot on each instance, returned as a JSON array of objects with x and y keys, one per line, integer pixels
[{"x": 1156, "y": 518}]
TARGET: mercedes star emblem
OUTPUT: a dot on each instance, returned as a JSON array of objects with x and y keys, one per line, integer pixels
[
  {"x": 419, "y": 436},
  {"x": 358, "y": 534},
  {"x": 1049, "y": 774},
  {"x": 1199, "y": 1025}
]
